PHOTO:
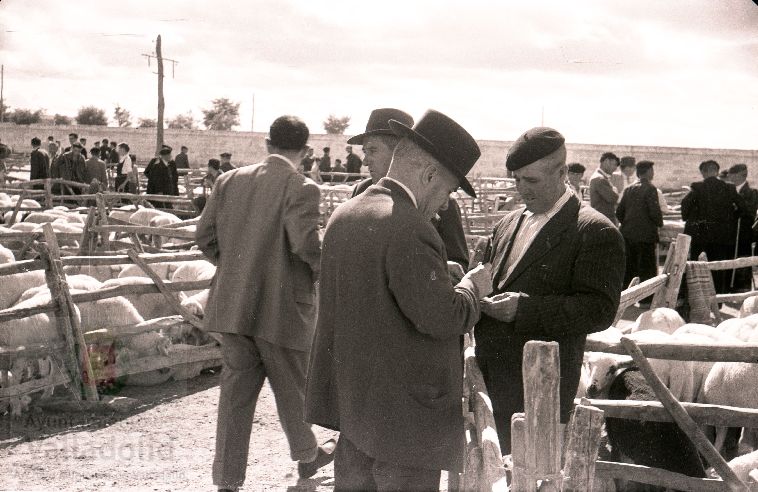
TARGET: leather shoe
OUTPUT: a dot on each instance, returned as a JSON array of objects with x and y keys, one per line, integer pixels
[{"x": 324, "y": 456}]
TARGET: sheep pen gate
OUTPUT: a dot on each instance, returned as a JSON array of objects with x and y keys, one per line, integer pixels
[{"x": 69, "y": 352}]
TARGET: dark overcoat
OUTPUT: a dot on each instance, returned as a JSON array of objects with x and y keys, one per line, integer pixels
[
  {"x": 639, "y": 213},
  {"x": 386, "y": 365},
  {"x": 710, "y": 212},
  {"x": 260, "y": 228}
]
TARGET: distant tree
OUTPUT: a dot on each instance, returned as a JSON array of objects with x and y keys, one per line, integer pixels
[
  {"x": 147, "y": 123},
  {"x": 223, "y": 116},
  {"x": 91, "y": 115},
  {"x": 25, "y": 116},
  {"x": 186, "y": 121},
  {"x": 60, "y": 119},
  {"x": 122, "y": 116},
  {"x": 336, "y": 125}
]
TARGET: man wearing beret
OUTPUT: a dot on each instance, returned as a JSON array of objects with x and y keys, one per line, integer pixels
[
  {"x": 575, "y": 176},
  {"x": 378, "y": 142},
  {"x": 386, "y": 368},
  {"x": 640, "y": 216},
  {"x": 226, "y": 162},
  {"x": 743, "y": 277},
  {"x": 557, "y": 270},
  {"x": 604, "y": 192},
  {"x": 162, "y": 178},
  {"x": 710, "y": 212}
]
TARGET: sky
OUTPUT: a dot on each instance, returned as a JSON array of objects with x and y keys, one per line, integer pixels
[{"x": 649, "y": 72}]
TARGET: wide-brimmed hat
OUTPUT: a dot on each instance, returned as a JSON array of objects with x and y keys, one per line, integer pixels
[
  {"x": 446, "y": 141},
  {"x": 378, "y": 123}
]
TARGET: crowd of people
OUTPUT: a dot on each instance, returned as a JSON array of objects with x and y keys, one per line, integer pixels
[{"x": 321, "y": 169}]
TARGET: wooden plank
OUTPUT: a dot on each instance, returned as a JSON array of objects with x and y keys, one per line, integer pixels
[
  {"x": 581, "y": 448},
  {"x": 67, "y": 317},
  {"x": 124, "y": 259},
  {"x": 86, "y": 241},
  {"x": 657, "y": 477},
  {"x": 16, "y": 235},
  {"x": 643, "y": 289},
  {"x": 55, "y": 379},
  {"x": 112, "y": 332},
  {"x": 30, "y": 351},
  {"x": 682, "y": 419},
  {"x": 102, "y": 213},
  {"x": 717, "y": 352},
  {"x": 135, "y": 229},
  {"x": 171, "y": 298},
  {"x": 48, "y": 194},
  {"x": 522, "y": 480},
  {"x": 541, "y": 381},
  {"x": 747, "y": 262},
  {"x": 210, "y": 354},
  {"x": 16, "y": 208},
  {"x": 704, "y": 414},
  {"x": 674, "y": 267}
]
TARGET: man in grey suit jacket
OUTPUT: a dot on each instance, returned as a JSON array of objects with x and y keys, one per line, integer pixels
[
  {"x": 386, "y": 368},
  {"x": 260, "y": 228},
  {"x": 603, "y": 194}
]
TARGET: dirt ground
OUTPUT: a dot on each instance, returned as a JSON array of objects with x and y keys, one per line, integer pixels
[{"x": 165, "y": 444}]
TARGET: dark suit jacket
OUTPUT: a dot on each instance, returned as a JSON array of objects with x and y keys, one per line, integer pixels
[
  {"x": 353, "y": 163},
  {"x": 449, "y": 226},
  {"x": 268, "y": 260},
  {"x": 572, "y": 276},
  {"x": 746, "y": 230},
  {"x": 159, "y": 178},
  {"x": 710, "y": 211},
  {"x": 386, "y": 368},
  {"x": 40, "y": 165},
  {"x": 602, "y": 196},
  {"x": 181, "y": 160},
  {"x": 639, "y": 213}
]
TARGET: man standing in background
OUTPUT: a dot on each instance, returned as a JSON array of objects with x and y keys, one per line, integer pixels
[
  {"x": 353, "y": 164},
  {"x": 94, "y": 172},
  {"x": 181, "y": 160},
  {"x": 743, "y": 277},
  {"x": 226, "y": 162},
  {"x": 52, "y": 148},
  {"x": 575, "y": 178},
  {"x": 603, "y": 195},
  {"x": 40, "y": 163},
  {"x": 628, "y": 173},
  {"x": 269, "y": 249}
]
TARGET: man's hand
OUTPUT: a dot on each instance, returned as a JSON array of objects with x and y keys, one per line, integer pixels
[
  {"x": 455, "y": 271},
  {"x": 502, "y": 307},
  {"x": 481, "y": 276}
]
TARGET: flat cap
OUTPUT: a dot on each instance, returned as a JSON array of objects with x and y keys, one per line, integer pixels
[
  {"x": 77, "y": 145},
  {"x": 738, "y": 168},
  {"x": 643, "y": 166},
  {"x": 225, "y": 154},
  {"x": 532, "y": 146},
  {"x": 627, "y": 161},
  {"x": 576, "y": 168},
  {"x": 165, "y": 150}
]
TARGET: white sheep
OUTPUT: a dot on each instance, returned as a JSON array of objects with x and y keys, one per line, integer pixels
[
  {"x": 663, "y": 319},
  {"x": 194, "y": 270},
  {"x": 749, "y": 306},
  {"x": 75, "y": 282},
  {"x": 99, "y": 272},
  {"x": 196, "y": 303},
  {"x": 677, "y": 375},
  {"x": 744, "y": 466},
  {"x": 41, "y": 217},
  {"x": 164, "y": 270},
  {"x": 25, "y": 227},
  {"x": 12, "y": 286},
  {"x": 6, "y": 255},
  {"x": 151, "y": 305},
  {"x": 742, "y": 328}
]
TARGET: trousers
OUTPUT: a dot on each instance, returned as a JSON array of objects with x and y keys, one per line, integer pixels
[{"x": 248, "y": 361}]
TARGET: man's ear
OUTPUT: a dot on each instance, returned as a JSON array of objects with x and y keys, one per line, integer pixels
[
  {"x": 430, "y": 171},
  {"x": 268, "y": 146}
]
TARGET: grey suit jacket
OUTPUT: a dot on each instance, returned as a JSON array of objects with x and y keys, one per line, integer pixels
[
  {"x": 260, "y": 227},
  {"x": 603, "y": 198}
]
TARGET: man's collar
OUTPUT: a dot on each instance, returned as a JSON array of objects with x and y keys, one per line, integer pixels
[
  {"x": 741, "y": 185},
  {"x": 603, "y": 173},
  {"x": 405, "y": 188},
  {"x": 283, "y": 158},
  {"x": 557, "y": 206}
]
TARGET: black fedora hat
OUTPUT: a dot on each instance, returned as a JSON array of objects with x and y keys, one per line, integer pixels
[
  {"x": 378, "y": 123},
  {"x": 446, "y": 141}
]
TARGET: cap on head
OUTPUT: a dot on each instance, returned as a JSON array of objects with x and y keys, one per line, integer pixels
[
  {"x": 533, "y": 145},
  {"x": 214, "y": 164},
  {"x": 737, "y": 169},
  {"x": 378, "y": 123},
  {"x": 627, "y": 161},
  {"x": 165, "y": 150},
  {"x": 576, "y": 168},
  {"x": 36, "y": 141},
  {"x": 225, "y": 154},
  {"x": 446, "y": 141},
  {"x": 286, "y": 133},
  {"x": 644, "y": 166}
]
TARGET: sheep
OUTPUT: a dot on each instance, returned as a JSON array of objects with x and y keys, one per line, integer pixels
[
  {"x": 744, "y": 465},
  {"x": 189, "y": 370},
  {"x": 194, "y": 270},
  {"x": 600, "y": 370},
  {"x": 144, "y": 345},
  {"x": 164, "y": 270},
  {"x": 196, "y": 303},
  {"x": 749, "y": 306},
  {"x": 12, "y": 286},
  {"x": 113, "y": 311},
  {"x": 742, "y": 328},
  {"x": 99, "y": 272},
  {"x": 143, "y": 216},
  {"x": 655, "y": 444},
  {"x": 6, "y": 255},
  {"x": 75, "y": 282},
  {"x": 677, "y": 375},
  {"x": 41, "y": 217},
  {"x": 662, "y": 319},
  {"x": 150, "y": 305},
  {"x": 25, "y": 227}
]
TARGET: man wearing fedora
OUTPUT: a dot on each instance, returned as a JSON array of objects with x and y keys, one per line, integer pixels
[
  {"x": 557, "y": 274},
  {"x": 378, "y": 142},
  {"x": 162, "y": 178},
  {"x": 385, "y": 367}
]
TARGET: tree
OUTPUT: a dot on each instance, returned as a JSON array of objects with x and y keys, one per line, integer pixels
[
  {"x": 147, "y": 123},
  {"x": 90, "y": 115},
  {"x": 335, "y": 125},
  {"x": 25, "y": 116},
  {"x": 223, "y": 116},
  {"x": 186, "y": 121},
  {"x": 122, "y": 116},
  {"x": 60, "y": 119}
]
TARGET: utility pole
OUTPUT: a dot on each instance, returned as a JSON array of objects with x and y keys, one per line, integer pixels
[
  {"x": 161, "y": 103},
  {"x": 542, "y": 121},
  {"x": 2, "y": 103},
  {"x": 252, "y": 118}
]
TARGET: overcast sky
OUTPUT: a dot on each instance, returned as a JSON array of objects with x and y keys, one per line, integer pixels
[{"x": 647, "y": 72}]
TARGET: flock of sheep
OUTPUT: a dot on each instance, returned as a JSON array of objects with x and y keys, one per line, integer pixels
[
  {"x": 661, "y": 444},
  {"x": 29, "y": 289}
]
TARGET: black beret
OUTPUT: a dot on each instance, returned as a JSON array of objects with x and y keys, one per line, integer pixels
[
  {"x": 576, "y": 168},
  {"x": 165, "y": 150},
  {"x": 738, "y": 168},
  {"x": 643, "y": 166},
  {"x": 226, "y": 154},
  {"x": 532, "y": 146}
]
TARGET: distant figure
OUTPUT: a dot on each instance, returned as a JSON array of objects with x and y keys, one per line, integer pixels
[
  {"x": 52, "y": 148},
  {"x": 226, "y": 162},
  {"x": 182, "y": 160},
  {"x": 628, "y": 172},
  {"x": 575, "y": 178},
  {"x": 603, "y": 195},
  {"x": 338, "y": 168},
  {"x": 72, "y": 138},
  {"x": 640, "y": 217},
  {"x": 214, "y": 170},
  {"x": 70, "y": 166},
  {"x": 5, "y": 151},
  {"x": 105, "y": 151},
  {"x": 95, "y": 173},
  {"x": 306, "y": 163},
  {"x": 354, "y": 163},
  {"x": 40, "y": 163},
  {"x": 325, "y": 164},
  {"x": 114, "y": 156},
  {"x": 126, "y": 171},
  {"x": 743, "y": 278},
  {"x": 710, "y": 212},
  {"x": 161, "y": 176},
  {"x": 83, "y": 141}
]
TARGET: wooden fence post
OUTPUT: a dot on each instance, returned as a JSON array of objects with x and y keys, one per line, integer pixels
[
  {"x": 68, "y": 321},
  {"x": 103, "y": 220},
  {"x": 86, "y": 243},
  {"x": 541, "y": 373},
  {"x": 520, "y": 481},
  {"x": 581, "y": 448},
  {"x": 682, "y": 418},
  {"x": 48, "y": 193},
  {"x": 676, "y": 261},
  {"x": 16, "y": 209}
]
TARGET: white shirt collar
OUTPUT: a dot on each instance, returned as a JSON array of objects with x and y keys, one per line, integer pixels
[
  {"x": 407, "y": 190},
  {"x": 603, "y": 173},
  {"x": 739, "y": 188},
  {"x": 280, "y": 156},
  {"x": 557, "y": 206}
]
